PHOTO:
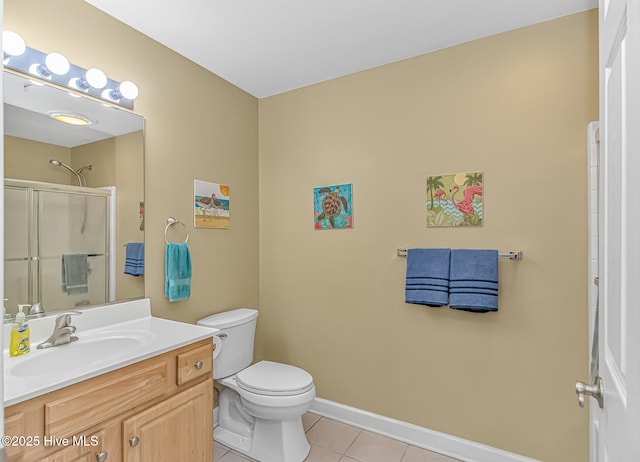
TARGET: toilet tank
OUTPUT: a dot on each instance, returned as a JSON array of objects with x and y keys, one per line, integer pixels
[{"x": 237, "y": 332}]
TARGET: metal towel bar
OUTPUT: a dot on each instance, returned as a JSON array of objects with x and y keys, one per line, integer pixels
[{"x": 511, "y": 255}]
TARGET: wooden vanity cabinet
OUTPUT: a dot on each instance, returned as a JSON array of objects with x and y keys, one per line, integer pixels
[{"x": 159, "y": 409}]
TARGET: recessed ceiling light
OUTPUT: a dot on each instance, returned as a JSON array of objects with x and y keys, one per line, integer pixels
[{"x": 72, "y": 119}]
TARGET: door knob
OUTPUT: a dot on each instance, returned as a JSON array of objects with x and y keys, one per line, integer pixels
[
  {"x": 102, "y": 456},
  {"x": 133, "y": 442},
  {"x": 596, "y": 391}
]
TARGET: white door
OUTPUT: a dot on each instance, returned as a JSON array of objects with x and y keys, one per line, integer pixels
[{"x": 617, "y": 436}]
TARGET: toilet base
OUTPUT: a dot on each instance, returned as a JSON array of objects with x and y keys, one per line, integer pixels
[
  {"x": 272, "y": 441},
  {"x": 265, "y": 439}
]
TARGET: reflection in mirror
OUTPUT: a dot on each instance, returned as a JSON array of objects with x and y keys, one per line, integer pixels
[{"x": 74, "y": 198}]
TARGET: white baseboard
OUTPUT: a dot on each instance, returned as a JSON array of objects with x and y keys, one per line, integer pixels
[{"x": 442, "y": 443}]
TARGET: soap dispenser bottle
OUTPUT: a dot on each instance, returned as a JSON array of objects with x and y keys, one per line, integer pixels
[{"x": 20, "y": 341}]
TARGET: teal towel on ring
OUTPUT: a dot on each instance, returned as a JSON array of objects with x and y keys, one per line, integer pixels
[{"x": 177, "y": 269}]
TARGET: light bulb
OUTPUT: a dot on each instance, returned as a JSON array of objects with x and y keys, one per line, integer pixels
[
  {"x": 128, "y": 90},
  {"x": 96, "y": 78},
  {"x": 12, "y": 43},
  {"x": 57, "y": 64}
]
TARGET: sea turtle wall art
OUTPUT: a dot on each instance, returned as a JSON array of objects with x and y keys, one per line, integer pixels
[
  {"x": 210, "y": 205},
  {"x": 333, "y": 207},
  {"x": 455, "y": 200}
]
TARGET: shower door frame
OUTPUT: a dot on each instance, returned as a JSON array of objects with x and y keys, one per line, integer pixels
[{"x": 34, "y": 273}]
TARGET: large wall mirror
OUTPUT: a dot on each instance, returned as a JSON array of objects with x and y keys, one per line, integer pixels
[{"x": 74, "y": 199}]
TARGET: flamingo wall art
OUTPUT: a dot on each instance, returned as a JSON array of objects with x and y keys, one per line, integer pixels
[
  {"x": 455, "y": 200},
  {"x": 210, "y": 205},
  {"x": 333, "y": 207}
]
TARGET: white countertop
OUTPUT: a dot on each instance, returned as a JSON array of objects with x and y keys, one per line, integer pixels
[{"x": 131, "y": 318}]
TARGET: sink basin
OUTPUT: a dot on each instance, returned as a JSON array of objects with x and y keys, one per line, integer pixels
[{"x": 84, "y": 353}]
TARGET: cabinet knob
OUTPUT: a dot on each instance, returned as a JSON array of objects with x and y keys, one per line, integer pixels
[
  {"x": 134, "y": 441},
  {"x": 102, "y": 456},
  {"x": 198, "y": 364}
]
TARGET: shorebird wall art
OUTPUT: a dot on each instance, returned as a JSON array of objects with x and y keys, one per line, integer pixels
[
  {"x": 211, "y": 205},
  {"x": 455, "y": 200}
]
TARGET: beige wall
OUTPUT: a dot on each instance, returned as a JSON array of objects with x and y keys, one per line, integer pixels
[
  {"x": 514, "y": 106},
  {"x": 37, "y": 168},
  {"x": 196, "y": 126},
  {"x": 129, "y": 169},
  {"x": 117, "y": 161},
  {"x": 101, "y": 156}
]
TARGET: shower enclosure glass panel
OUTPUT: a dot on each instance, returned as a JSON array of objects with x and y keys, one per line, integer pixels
[
  {"x": 71, "y": 223},
  {"x": 43, "y": 222}
]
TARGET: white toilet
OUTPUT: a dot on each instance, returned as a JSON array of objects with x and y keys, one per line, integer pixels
[{"x": 261, "y": 407}]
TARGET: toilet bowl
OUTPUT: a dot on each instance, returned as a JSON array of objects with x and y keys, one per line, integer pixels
[{"x": 260, "y": 409}]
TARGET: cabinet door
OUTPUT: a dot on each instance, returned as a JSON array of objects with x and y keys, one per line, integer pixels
[
  {"x": 178, "y": 429},
  {"x": 101, "y": 446}
]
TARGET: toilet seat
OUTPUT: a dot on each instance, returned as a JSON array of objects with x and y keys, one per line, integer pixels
[{"x": 274, "y": 379}]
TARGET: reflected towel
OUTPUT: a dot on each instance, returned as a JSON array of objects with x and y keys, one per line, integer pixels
[
  {"x": 75, "y": 271},
  {"x": 177, "y": 270},
  {"x": 134, "y": 259},
  {"x": 427, "y": 281}
]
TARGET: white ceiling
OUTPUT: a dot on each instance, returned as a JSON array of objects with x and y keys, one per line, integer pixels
[{"x": 267, "y": 47}]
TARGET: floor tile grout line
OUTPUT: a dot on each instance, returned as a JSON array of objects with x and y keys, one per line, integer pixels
[
  {"x": 313, "y": 424},
  {"x": 404, "y": 452},
  {"x": 354, "y": 440}
]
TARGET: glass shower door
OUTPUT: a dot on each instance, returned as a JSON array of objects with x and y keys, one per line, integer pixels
[{"x": 72, "y": 223}]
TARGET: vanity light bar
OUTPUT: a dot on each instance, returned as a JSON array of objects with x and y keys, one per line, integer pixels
[{"x": 55, "y": 68}]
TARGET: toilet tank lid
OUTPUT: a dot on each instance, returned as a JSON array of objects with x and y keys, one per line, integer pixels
[{"x": 229, "y": 318}]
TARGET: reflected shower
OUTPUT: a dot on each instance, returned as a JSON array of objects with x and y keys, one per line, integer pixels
[{"x": 78, "y": 173}]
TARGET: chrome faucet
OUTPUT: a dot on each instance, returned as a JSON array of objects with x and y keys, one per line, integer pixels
[
  {"x": 36, "y": 310},
  {"x": 62, "y": 331}
]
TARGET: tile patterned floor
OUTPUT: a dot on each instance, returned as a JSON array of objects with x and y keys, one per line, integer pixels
[{"x": 333, "y": 441}]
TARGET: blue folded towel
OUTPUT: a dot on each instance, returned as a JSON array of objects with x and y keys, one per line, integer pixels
[
  {"x": 472, "y": 290},
  {"x": 474, "y": 265},
  {"x": 75, "y": 274},
  {"x": 479, "y": 284},
  {"x": 479, "y": 303},
  {"x": 177, "y": 269},
  {"x": 429, "y": 297},
  {"x": 427, "y": 281},
  {"x": 134, "y": 259},
  {"x": 474, "y": 280},
  {"x": 428, "y": 263}
]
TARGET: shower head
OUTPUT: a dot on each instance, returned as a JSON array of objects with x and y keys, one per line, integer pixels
[{"x": 59, "y": 163}]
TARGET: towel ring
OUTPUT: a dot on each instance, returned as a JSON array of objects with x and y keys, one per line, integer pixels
[{"x": 172, "y": 221}]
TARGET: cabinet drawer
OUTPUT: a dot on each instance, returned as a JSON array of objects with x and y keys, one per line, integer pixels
[
  {"x": 195, "y": 363},
  {"x": 117, "y": 393},
  {"x": 14, "y": 426}
]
